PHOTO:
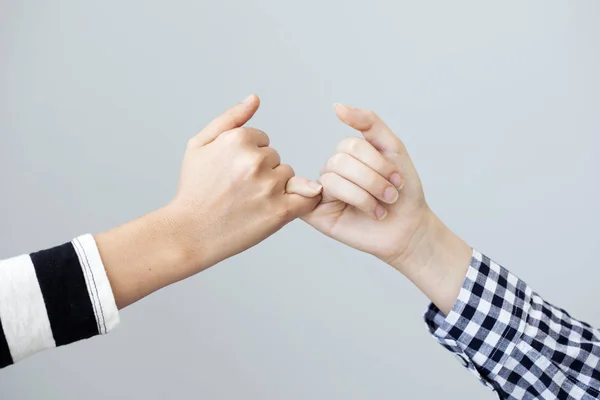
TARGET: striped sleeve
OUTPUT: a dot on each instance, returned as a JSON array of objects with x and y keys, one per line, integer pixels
[{"x": 52, "y": 298}]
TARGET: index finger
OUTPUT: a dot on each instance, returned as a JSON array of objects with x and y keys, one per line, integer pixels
[
  {"x": 233, "y": 118},
  {"x": 372, "y": 127}
]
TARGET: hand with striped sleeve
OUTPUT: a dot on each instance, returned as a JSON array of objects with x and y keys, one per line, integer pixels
[
  {"x": 507, "y": 335},
  {"x": 233, "y": 193}
]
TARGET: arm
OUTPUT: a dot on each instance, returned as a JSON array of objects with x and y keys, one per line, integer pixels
[
  {"x": 233, "y": 193},
  {"x": 507, "y": 335}
]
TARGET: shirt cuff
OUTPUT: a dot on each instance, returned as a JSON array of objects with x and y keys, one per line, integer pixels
[
  {"x": 52, "y": 298},
  {"x": 487, "y": 320},
  {"x": 98, "y": 286}
]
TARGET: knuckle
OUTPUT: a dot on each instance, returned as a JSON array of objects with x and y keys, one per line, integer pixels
[
  {"x": 193, "y": 143},
  {"x": 249, "y": 164},
  {"x": 255, "y": 135},
  {"x": 368, "y": 203},
  {"x": 288, "y": 169},
  {"x": 384, "y": 167},
  {"x": 342, "y": 145},
  {"x": 234, "y": 136},
  {"x": 351, "y": 144},
  {"x": 374, "y": 184},
  {"x": 337, "y": 161},
  {"x": 370, "y": 113},
  {"x": 370, "y": 116},
  {"x": 276, "y": 155},
  {"x": 267, "y": 138},
  {"x": 249, "y": 131},
  {"x": 228, "y": 136}
]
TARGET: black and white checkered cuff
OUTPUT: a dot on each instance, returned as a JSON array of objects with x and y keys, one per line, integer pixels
[{"x": 487, "y": 320}]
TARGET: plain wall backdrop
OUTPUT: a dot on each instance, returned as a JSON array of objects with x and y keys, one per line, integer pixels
[{"x": 498, "y": 103}]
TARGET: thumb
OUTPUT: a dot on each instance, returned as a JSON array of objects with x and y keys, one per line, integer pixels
[
  {"x": 233, "y": 118},
  {"x": 302, "y": 196},
  {"x": 372, "y": 127}
]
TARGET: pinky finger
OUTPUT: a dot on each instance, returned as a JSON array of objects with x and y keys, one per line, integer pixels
[{"x": 303, "y": 187}]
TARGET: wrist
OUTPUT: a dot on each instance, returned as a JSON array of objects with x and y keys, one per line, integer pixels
[
  {"x": 186, "y": 239},
  {"x": 423, "y": 243},
  {"x": 145, "y": 255},
  {"x": 436, "y": 262}
]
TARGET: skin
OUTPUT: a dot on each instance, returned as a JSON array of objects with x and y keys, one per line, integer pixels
[
  {"x": 373, "y": 201},
  {"x": 233, "y": 193}
]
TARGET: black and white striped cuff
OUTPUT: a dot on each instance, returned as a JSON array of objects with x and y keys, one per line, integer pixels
[{"x": 52, "y": 298}]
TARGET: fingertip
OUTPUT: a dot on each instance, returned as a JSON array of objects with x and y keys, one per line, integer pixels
[
  {"x": 316, "y": 187},
  {"x": 341, "y": 110},
  {"x": 391, "y": 195},
  {"x": 249, "y": 107},
  {"x": 380, "y": 212},
  {"x": 356, "y": 118},
  {"x": 234, "y": 117},
  {"x": 396, "y": 180},
  {"x": 252, "y": 102},
  {"x": 303, "y": 187}
]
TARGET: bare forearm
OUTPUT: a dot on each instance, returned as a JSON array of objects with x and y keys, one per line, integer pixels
[
  {"x": 143, "y": 256},
  {"x": 438, "y": 263}
]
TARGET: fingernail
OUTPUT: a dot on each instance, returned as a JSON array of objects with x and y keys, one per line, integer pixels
[
  {"x": 396, "y": 180},
  {"x": 315, "y": 186},
  {"x": 248, "y": 99},
  {"x": 390, "y": 194},
  {"x": 340, "y": 105},
  {"x": 380, "y": 212}
]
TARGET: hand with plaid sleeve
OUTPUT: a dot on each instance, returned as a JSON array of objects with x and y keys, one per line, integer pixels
[{"x": 514, "y": 341}]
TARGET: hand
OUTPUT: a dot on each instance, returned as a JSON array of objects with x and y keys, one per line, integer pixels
[
  {"x": 372, "y": 196},
  {"x": 233, "y": 193},
  {"x": 373, "y": 201}
]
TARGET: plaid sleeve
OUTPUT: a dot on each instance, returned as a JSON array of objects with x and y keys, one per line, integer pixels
[{"x": 514, "y": 342}]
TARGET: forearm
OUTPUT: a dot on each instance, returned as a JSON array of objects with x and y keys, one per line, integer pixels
[
  {"x": 233, "y": 192},
  {"x": 495, "y": 323},
  {"x": 503, "y": 332},
  {"x": 437, "y": 262},
  {"x": 147, "y": 254},
  {"x": 513, "y": 340}
]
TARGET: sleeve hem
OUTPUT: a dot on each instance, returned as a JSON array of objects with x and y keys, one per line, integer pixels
[
  {"x": 98, "y": 285},
  {"x": 488, "y": 318}
]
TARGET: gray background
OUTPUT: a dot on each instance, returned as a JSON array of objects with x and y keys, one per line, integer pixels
[{"x": 498, "y": 103}]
